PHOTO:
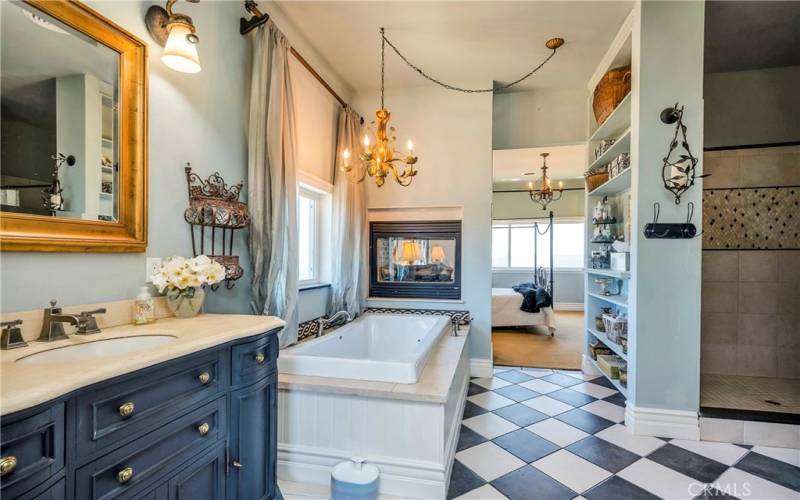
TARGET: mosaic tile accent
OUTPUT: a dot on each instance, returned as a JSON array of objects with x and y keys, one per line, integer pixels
[{"x": 765, "y": 218}]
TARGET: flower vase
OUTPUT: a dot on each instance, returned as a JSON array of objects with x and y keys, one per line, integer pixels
[{"x": 185, "y": 303}]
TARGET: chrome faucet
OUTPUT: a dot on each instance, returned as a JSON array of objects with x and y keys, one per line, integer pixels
[
  {"x": 53, "y": 323},
  {"x": 322, "y": 322}
]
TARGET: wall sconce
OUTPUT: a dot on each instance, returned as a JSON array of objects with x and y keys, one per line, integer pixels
[{"x": 176, "y": 33}]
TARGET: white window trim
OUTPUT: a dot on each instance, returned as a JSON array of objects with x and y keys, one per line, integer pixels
[
  {"x": 304, "y": 191},
  {"x": 526, "y": 222}
]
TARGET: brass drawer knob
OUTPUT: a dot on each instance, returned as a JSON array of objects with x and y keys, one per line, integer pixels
[
  {"x": 125, "y": 475},
  {"x": 204, "y": 378},
  {"x": 260, "y": 358},
  {"x": 7, "y": 465},
  {"x": 203, "y": 428},
  {"x": 126, "y": 409}
]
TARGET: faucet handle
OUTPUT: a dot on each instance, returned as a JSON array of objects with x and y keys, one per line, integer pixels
[
  {"x": 11, "y": 337},
  {"x": 87, "y": 323},
  {"x": 101, "y": 310}
]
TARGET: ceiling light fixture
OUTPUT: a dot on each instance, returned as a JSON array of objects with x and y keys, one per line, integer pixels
[
  {"x": 176, "y": 33},
  {"x": 381, "y": 159},
  {"x": 545, "y": 194}
]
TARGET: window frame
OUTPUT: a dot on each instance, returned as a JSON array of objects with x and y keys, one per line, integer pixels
[
  {"x": 527, "y": 222},
  {"x": 304, "y": 192}
]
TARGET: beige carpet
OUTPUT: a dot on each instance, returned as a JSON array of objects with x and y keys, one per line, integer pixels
[
  {"x": 750, "y": 393},
  {"x": 534, "y": 347}
]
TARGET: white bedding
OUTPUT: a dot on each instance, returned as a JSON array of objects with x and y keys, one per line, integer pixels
[{"x": 506, "y": 311}]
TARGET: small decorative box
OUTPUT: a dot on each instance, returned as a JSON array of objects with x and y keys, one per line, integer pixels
[
  {"x": 597, "y": 348},
  {"x": 616, "y": 327},
  {"x": 621, "y": 261},
  {"x": 610, "y": 364}
]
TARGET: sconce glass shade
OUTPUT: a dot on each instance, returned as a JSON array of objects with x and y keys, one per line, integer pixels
[{"x": 179, "y": 53}]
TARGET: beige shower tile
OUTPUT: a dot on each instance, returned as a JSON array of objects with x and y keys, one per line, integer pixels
[
  {"x": 757, "y": 329},
  {"x": 789, "y": 330},
  {"x": 788, "y": 298},
  {"x": 789, "y": 362},
  {"x": 758, "y": 297},
  {"x": 719, "y": 328},
  {"x": 761, "y": 170},
  {"x": 758, "y": 265},
  {"x": 791, "y": 169},
  {"x": 789, "y": 265},
  {"x": 720, "y": 266},
  {"x": 718, "y": 359},
  {"x": 757, "y": 361},
  {"x": 723, "y": 170},
  {"x": 720, "y": 297}
]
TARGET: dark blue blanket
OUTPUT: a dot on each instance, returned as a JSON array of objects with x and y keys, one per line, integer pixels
[{"x": 533, "y": 297}]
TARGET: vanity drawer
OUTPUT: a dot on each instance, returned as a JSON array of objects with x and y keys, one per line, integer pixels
[
  {"x": 32, "y": 450},
  {"x": 119, "y": 412},
  {"x": 132, "y": 469},
  {"x": 254, "y": 360}
]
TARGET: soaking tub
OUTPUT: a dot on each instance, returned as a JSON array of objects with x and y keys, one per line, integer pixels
[{"x": 380, "y": 347}]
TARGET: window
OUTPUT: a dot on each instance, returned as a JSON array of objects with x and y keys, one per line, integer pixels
[
  {"x": 515, "y": 243},
  {"x": 308, "y": 225}
]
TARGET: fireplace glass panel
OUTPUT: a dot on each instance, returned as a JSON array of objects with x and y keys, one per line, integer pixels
[{"x": 415, "y": 260}]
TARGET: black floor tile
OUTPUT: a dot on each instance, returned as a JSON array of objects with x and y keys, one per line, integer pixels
[
  {"x": 602, "y": 381},
  {"x": 585, "y": 421},
  {"x": 474, "y": 389},
  {"x": 691, "y": 464},
  {"x": 711, "y": 493},
  {"x": 618, "y": 399},
  {"x": 526, "y": 483},
  {"x": 608, "y": 456},
  {"x": 517, "y": 393},
  {"x": 562, "y": 380},
  {"x": 462, "y": 480},
  {"x": 616, "y": 488},
  {"x": 520, "y": 414},
  {"x": 571, "y": 397},
  {"x": 468, "y": 438},
  {"x": 473, "y": 410},
  {"x": 786, "y": 475},
  {"x": 514, "y": 376},
  {"x": 526, "y": 445}
]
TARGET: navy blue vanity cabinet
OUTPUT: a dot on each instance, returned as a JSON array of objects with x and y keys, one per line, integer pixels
[{"x": 199, "y": 427}]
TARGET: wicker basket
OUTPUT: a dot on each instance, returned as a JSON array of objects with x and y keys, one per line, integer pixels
[
  {"x": 610, "y": 91},
  {"x": 594, "y": 181}
]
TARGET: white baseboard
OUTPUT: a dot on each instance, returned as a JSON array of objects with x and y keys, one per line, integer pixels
[
  {"x": 658, "y": 422},
  {"x": 568, "y": 306},
  {"x": 587, "y": 367},
  {"x": 479, "y": 367}
]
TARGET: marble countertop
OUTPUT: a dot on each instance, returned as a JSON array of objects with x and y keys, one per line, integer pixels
[
  {"x": 433, "y": 385},
  {"x": 24, "y": 385}
]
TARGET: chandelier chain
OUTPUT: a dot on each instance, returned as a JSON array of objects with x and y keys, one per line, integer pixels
[
  {"x": 422, "y": 73},
  {"x": 383, "y": 58}
]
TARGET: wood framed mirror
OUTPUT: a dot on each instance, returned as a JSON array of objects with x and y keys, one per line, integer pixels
[{"x": 74, "y": 131}]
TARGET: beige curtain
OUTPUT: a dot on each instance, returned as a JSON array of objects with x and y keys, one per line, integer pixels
[
  {"x": 272, "y": 186},
  {"x": 349, "y": 221}
]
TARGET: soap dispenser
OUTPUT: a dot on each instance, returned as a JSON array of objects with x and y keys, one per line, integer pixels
[{"x": 144, "y": 307}]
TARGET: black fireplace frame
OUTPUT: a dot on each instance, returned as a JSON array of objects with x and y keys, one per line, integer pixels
[{"x": 440, "y": 229}]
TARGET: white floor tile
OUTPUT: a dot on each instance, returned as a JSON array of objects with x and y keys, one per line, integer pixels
[
  {"x": 622, "y": 437},
  {"x": 490, "y": 383},
  {"x": 725, "y": 453},
  {"x": 740, "y": 484},
  {"x": 501, "y": 369},
  {"x": 661, "y": 481},
  {"x": 572, "y": 471},
  {"x": 557, "y": 432},
  {"x": 597, "y": 391},
  {"x": 489, "y": 425},
  {"x": 581, "y": 375},
  {"x": 548, "y": 406},
  {"x": 489, "y": 461},
  {"x": 485, "y": 492},
  {"x": 538, "y": 372},
  {"x": 789, "y": 455},
  {"x": 541, "y": 386},
  {"x": 490, "y": 400},
  {"x": 607, "y": 410}
]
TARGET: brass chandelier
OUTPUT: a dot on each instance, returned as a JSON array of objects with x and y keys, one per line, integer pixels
[
  {"x": 382, "y": 158},
  {"x": 545, "y": 194}
]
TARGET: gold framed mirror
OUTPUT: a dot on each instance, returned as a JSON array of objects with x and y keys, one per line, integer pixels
[{"x": 74, "y": 126}]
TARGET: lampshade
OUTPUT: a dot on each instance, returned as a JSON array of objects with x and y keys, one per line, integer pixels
[
  {"x": 410, "y": 251},
  {"x": 179, "y": 53},
  {"x": 437, "y": 254}
]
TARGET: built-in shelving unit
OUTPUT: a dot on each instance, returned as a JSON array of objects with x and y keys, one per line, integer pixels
[{"x": 619, "y": 127}]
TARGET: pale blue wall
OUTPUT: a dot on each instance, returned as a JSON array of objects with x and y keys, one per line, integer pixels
[{"x": 568, "y": 285}]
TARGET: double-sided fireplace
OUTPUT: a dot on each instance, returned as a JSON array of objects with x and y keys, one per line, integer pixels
[{"x": 420, "y": 260}]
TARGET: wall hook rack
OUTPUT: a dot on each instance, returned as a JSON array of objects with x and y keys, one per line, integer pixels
[{"x": 670, "y": 230}]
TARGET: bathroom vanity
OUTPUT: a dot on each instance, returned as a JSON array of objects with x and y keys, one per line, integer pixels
[{"x": 193, "y": 418}]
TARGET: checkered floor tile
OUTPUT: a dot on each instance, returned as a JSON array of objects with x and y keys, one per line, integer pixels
[{"x": 553, "y": 434}]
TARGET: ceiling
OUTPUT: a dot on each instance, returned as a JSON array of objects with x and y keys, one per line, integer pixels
[
  {"x": 463, "y": 43},
  {"x": 564, "y": 163},
  {"x": 751, "y": 35}
]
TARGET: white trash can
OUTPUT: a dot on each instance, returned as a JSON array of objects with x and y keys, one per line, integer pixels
[{"x": 354, "y": 480}]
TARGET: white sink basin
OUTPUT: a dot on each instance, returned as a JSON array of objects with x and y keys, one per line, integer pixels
[{"x": 97, "y": 349}]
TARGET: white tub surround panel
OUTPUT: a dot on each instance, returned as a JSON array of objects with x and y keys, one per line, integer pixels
[
  {"x": 409, "y": 431},
  {"x": 24, "y": 385}
]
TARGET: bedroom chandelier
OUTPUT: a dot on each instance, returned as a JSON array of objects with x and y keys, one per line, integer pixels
[
  {"x": 382, "y": 158},
  {"x": 545, "y": 194}
]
